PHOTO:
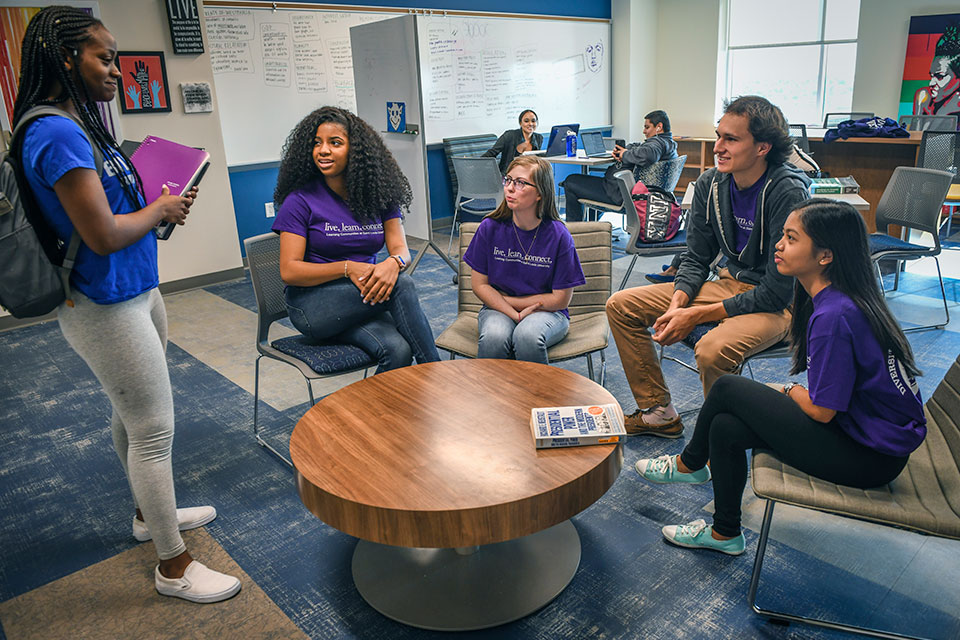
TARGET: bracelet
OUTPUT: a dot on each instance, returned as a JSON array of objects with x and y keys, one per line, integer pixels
[
  {"x": 345, "y": 263},
  {"x": 403, "y": 265}
]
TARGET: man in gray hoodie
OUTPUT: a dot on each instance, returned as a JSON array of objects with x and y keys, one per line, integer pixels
[
  {"x": 739, "y": 208},
  {"x": 659, "y": 145}
]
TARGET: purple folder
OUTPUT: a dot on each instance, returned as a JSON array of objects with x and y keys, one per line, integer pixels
[{"x": 162, "y": 162}]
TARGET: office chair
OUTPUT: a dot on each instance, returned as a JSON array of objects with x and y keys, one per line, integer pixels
[{"x": 832, "y": 119}]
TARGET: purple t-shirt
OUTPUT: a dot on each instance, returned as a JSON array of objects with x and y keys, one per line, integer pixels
[
  {"x": 745, "y": 208},
  {"x": 877, "y": 403},
  {"x": 546, "y": 262},
  {"x": 332, "y": 232}
]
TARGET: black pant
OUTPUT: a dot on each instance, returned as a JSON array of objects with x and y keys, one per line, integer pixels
[
  {"x": 577, "y": 186},
  {"x": 741, "y": 414}
]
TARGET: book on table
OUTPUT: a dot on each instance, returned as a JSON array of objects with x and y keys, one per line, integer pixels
[
  {"x": 162, "y": 162},
  {"x": 834, "y": 185},
  {"x": 577, "y": 425}
]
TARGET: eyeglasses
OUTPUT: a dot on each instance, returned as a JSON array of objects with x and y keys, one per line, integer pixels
[{"x": 517, "y": 183}]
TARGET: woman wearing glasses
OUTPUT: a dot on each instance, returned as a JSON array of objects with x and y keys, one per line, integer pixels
[
  {"x": 515, "y": 141},
  {"x": 525, "y": 267}
]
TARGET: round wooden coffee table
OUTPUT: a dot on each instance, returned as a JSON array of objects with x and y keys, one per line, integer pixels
[{"x": 427, "y": 463}]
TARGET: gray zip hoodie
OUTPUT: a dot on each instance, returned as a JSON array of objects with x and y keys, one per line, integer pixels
[{"x": 711, "y": 231}]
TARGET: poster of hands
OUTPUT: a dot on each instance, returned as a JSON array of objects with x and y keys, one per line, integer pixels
[{"x": 143, "y": 81}]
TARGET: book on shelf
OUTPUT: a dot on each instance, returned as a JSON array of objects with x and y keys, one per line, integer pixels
[
  {"x": 577, "y": 425},
  {"x": 834, "y": 185},
  {"x": 162, "y": 162}
]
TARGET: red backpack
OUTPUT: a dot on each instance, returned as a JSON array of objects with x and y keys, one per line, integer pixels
[{"x": 658, "y": 211}]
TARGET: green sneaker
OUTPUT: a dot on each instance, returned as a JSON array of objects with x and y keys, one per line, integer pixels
[
  {"x": 699, "y": 535},
  {"x": 663, "y": 470}
]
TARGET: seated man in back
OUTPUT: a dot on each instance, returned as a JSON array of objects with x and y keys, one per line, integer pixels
[
  {"x": 738, "y": 212},
  {"x": 659, "y": 145}
]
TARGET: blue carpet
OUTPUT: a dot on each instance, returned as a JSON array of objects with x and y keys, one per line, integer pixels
[{"x": 67, "y": 506}]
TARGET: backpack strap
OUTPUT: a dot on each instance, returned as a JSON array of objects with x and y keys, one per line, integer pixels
[{"x": 41, "y": 111}]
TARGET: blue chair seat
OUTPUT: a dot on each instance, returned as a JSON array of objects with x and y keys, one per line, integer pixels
[
  {"x": 698, "y": 332},
  {"x": 478, "y": 205},
  {"x": 882, "y": 243},
  {"x": 324, "y": 358},
  {"x": 678, "y": 241}
]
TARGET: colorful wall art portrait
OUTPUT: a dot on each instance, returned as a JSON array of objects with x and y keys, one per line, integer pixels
[
  {"x": 931, "y": 71},
  {"x": 144, "y": 82}
]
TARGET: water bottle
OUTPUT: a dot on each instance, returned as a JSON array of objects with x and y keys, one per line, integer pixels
[{"x": 571, "y": 144}]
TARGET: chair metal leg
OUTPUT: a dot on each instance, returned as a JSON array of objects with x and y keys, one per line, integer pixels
[
  {"x": 603, "y": 367},
  {"x": 256, "y": 404},
  {"x": 453, "y": 226},
  {"x": 789, "y": 617},
  {"x": 590, "y": 367},
  {"x": 626, "y": 276},
  {"x": 946, "y": 310}
]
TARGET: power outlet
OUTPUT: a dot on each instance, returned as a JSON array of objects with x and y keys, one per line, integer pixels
[{"x": 268, "y": 207}]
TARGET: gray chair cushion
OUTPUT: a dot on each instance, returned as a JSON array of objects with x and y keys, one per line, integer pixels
[
  {"x": 588, "y": 333},
  {"x": 924, "y": 497}
]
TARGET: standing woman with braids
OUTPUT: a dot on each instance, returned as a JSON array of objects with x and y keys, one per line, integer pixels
[
  {"x": 114, "y": 317},
  {"x": 339, "y": 195},
  {"x": 862, "y": 415}
]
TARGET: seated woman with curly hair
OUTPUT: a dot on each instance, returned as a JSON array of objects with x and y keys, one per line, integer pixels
[{"x": 338, "y": 197}]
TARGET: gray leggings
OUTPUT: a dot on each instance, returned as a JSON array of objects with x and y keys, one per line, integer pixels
[{"x": 124, "y": 345}]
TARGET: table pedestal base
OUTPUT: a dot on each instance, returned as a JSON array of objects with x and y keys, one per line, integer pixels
[{"x": 442, "y": 590}]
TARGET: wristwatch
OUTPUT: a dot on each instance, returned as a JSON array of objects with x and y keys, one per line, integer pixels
[{"x": 789, "y": 387}]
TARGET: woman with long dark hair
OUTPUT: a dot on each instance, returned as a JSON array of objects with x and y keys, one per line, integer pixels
[
  {"x": 114, "y": 317},
  {"x": 339, "y": 196},
  {"x": 862, "y": 415},
  {"x": 525, "y": 266},
  {"x": 514, "y": 142}
]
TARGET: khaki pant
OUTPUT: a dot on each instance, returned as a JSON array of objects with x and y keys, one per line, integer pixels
[{"x": 721, "y": 351}]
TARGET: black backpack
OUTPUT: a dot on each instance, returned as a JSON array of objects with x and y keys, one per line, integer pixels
[{"x": 34, "y": 264}]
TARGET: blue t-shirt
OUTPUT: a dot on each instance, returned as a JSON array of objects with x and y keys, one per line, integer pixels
[
  {"x": 744, "y": 205},
  {"x": 525, "y": 263},
  {"x": 877, "y": 403},
  {"x": 53, "y": 146},
  {"x": 330, "y": 228}
]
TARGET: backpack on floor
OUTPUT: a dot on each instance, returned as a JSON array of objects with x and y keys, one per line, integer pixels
[
  {"x": 34, "y": 264},
  {"x": 658, "y": 211}
]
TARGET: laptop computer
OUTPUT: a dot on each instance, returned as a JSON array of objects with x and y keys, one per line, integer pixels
[
  {"x": 593, "y": 146},
  {"x": 557, "y": 146}
]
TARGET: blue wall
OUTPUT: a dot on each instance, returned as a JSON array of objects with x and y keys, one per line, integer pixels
[{"x": 253, "y": 186}]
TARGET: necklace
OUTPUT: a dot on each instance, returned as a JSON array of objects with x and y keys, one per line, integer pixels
[{"x": 526, "y": 253}]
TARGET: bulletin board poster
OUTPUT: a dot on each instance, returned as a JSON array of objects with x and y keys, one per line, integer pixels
[
  {"x": 931, "y": 71},
  {"x": 13, "y": 25}
]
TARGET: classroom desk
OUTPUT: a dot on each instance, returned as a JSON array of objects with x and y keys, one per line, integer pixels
[
  {"x": 852, "y": 198},
  {"x": 440, "y": 460},
  {"x": 580, "y": 159},
  {"x": 870, "y": 161}
]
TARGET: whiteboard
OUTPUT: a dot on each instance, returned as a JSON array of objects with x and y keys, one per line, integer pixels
[
  {"x": 480, "y": 73},
  {"x": 271, "y": 68}
]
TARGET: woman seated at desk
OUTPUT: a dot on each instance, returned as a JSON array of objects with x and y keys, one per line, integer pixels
[
  {"x": 525, "y": 266},
  {"x": 515, "y": 141},
  {"x": 339, "y": 195}
]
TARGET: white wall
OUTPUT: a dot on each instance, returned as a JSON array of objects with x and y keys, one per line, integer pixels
[
  {"x": 209, "y": 242},
  {"x": 685, "y": 70},
  {"x": 882, "y": 47}
]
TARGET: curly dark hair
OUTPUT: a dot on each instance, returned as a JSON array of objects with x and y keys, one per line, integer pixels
[
  {"x": 375, "y": 183},
  {"x": 949, "y": 45},
  {"x": 766, "y": 124}
]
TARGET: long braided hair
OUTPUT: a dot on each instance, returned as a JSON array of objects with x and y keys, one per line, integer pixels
[
  {"x": 52, "y": 31},
  {"x": 375, "y": 183}
]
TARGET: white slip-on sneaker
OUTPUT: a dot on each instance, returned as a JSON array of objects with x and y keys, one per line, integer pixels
[
  {"x": 189, "y": 518},
  {"x": 198, "y": 584}
]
